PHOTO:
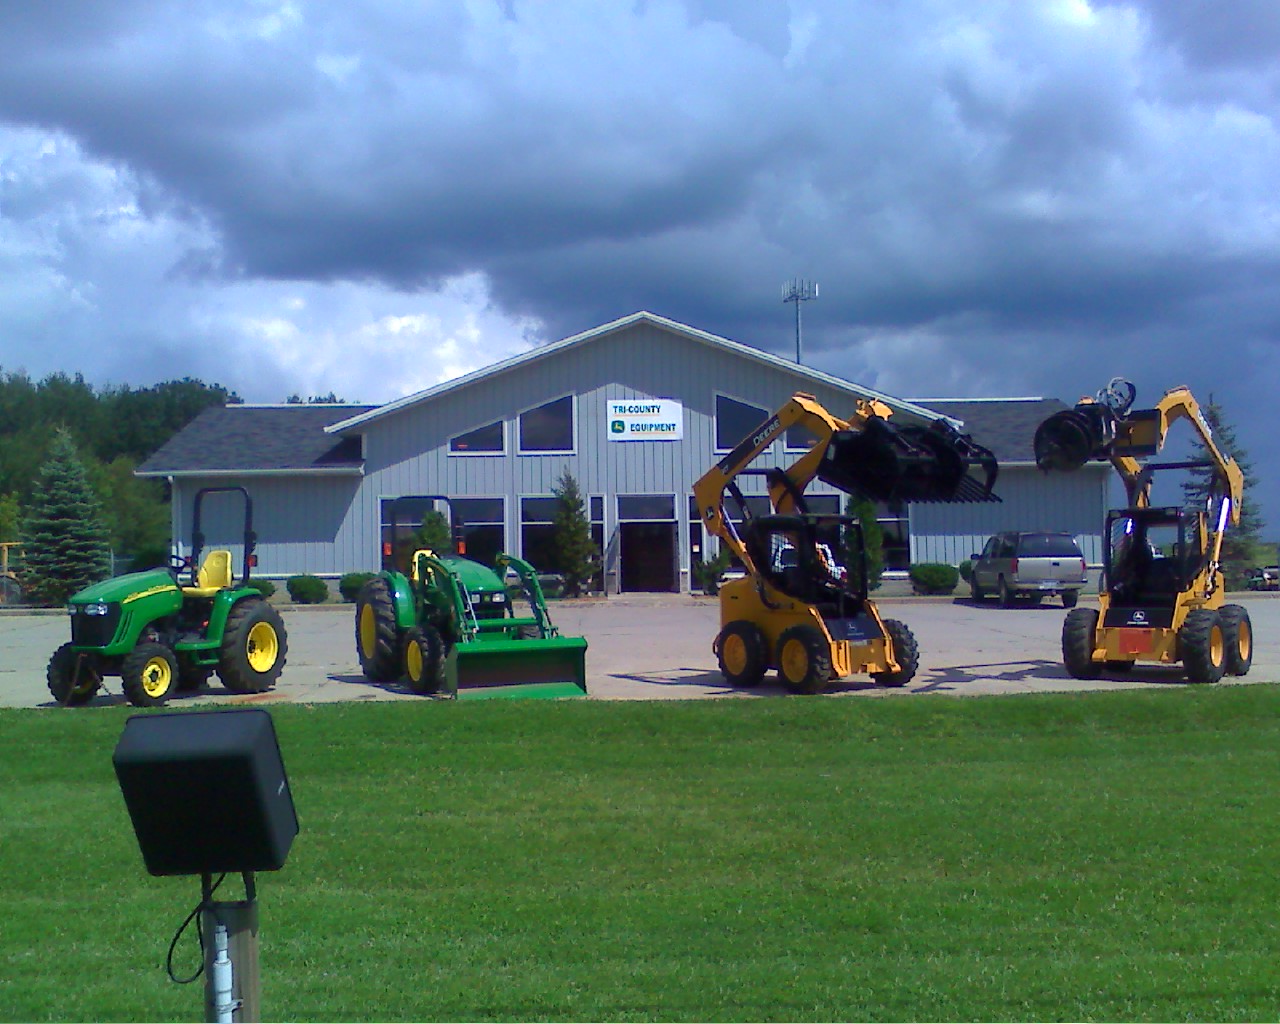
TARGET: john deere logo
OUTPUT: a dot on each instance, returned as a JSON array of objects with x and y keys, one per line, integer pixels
[{"x": 617, "y": 427}]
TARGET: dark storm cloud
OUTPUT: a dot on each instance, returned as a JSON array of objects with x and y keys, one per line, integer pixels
[{"x": 997, "y": 197}]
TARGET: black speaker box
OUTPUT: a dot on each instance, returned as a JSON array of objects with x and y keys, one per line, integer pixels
[{"x": 206, "y": 791}]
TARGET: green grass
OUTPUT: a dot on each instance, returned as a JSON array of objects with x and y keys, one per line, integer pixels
[{"x": 1101, "y": 856}]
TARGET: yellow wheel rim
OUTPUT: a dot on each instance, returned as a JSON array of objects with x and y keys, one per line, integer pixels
[
  {"x": 368, "y": 631},
  {"x": 264, "y": 647},
  {"x": 795, "y": 660},
  {"x": 413, "y": 662},
  {"x": 157, "y": 677},
  {"x": 1244, "y": 642},
  {"x": 1217, "y": 647},
  {"x": 734, "y": 652}
]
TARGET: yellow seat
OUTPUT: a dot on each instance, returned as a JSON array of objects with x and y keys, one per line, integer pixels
[{"x": 214, "y": 575}]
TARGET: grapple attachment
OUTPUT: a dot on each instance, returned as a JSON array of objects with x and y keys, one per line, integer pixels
[
  {"x": 1070, "y": 438},
  {"x": 886, "y": 462}
]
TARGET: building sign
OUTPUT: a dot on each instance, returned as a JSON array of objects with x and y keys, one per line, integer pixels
[{"x": 646, "y": 419}]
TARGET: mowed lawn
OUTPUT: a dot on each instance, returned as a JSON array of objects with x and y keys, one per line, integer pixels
[{"x": 1099, "y": 856}]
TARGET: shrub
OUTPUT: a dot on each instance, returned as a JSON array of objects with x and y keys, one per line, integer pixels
[
  {"x": 707, "y": 574},
  {"x": 264, "y": 587},
  {"x": 934, "y": 578},
  {"x": 350, "y": 584},
  {"x": 307, "y": 589},
  {"x": 966, "y": 570}
]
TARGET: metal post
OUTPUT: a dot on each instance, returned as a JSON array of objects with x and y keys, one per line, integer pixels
[
  {"x": 799, "y": 291},
  {"x": 232, "y": 988}
]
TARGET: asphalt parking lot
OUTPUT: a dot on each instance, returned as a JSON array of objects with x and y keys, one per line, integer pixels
[{"x": 652, "y": 647}]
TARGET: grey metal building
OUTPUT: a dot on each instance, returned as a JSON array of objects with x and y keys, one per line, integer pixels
[{"x": 635, "y": 410}]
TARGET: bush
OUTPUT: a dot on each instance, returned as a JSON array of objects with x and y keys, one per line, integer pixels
[
  {"x": 707, "y": 574},
  {"x": 966, "y": 570},
  {"x": 350, "y": 584},
  {"x": 934, "y": 578},
  {"x": 264, "y": 587},
  {"x": 307, "y": 589}
]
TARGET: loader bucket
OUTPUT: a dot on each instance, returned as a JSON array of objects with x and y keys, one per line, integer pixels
[
  {"x": 885, "y": 462},
  {"x": 548, "y": 667}
]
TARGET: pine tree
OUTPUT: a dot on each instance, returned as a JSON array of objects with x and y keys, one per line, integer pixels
[
  {"x": 577, "y": 553},
  {"x": 1241, "y": 543},
  {"x": 872, "y": 540},
  {"x": 63, "y": 534}
]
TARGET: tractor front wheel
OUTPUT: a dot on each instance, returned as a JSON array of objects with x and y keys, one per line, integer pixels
[
  {"x": 254, "y": 645},
  {"x": 424, "y": 657},
  {"x": 376, "y": 641},
  {"x": 741, "y": 650},
  {"x": 73, "y": 676},
  {"x": 1078, "y": 631},
  {"x": 906, "y": 652},
  {"x": 150, "y": 675},
  {"x": 1203, "y": 646},
  {"x": 804, "y": 659}
]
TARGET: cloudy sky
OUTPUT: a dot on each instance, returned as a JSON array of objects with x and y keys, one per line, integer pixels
[{"x": 998, "y": 197}]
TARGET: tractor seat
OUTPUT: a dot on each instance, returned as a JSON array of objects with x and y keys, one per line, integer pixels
[
  {"x": 415, "y": 570},
  {"x": 214, "y": 575}
]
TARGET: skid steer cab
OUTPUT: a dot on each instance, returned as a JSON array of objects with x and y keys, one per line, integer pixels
[
  {"x": 448, "y": 625},
  {"x": 165, "y": 631}
]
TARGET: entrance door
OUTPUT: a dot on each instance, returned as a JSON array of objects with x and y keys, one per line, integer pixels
[{"x": 648, "y": 557}]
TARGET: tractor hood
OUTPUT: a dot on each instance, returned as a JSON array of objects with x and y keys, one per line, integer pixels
[
  {"x": 133, "y": 585},
  {"x": 477, "y": 578}
]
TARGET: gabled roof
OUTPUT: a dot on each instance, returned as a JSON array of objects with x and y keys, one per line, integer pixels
[
  {"x": 683, "y": 330},
  {"x": 239, "y": 439},
  {"x": 1005, "y": 425}
]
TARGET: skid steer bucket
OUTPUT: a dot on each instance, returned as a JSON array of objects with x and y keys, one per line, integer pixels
[
  {"x": 886, "y": 462},
  {"x": 548, "y": 667}
]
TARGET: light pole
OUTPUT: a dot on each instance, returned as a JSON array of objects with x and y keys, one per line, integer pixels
[{"x": 797, "y": 290}]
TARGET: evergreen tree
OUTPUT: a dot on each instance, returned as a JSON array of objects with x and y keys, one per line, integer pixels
[
  {"x": 9, "y": 517},
  {"x": 63, "y": 534},
  {"x": 435, "y": 533},
  {"x": 578, "y": 556},
  {"x": 1241, "y": 543},
  {"x": 872, "y": 539}
]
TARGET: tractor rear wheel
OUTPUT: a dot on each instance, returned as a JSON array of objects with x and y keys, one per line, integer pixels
[
  {"x": 376, "y": 641},
  {"x": 73, "y": 676},
  {"x": 1078, "y": 631},
  {"x": 804, "y": 659},
  {"x": 741, "y": 651},
  {"x": 424, "y": 656},
  {"x": 253, "y": 649},
  {"x": 906, "y": 652},
  {"x": 150, "y": 675},
  {"x": 1203, "y": 646},
  {"x": 1237, "y": 631}
]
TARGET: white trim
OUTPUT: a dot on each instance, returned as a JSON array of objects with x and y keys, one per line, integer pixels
[{"x": 288, "y": 471}]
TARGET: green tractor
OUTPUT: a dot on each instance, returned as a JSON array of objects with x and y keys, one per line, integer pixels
[
  {"x": 448, "y": 625},
  {"x": 161, "y": 636}
]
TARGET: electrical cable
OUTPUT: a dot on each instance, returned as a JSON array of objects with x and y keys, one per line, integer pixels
[{"x": 206, "y": 895}]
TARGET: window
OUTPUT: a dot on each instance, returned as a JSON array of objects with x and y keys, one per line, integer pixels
[
  {"x": 736, "y": 420},
  {"x": 800, "y": 438},
  {"x": 486, "y": 440},
  {"x": 896, "y": 543},
  {"x": 537, "y": 534},
  {"x": 408, "y": 516},
  {"x": 548, "y": 428},
  {"x": 480, "y": 523},
  {"x": 661, "y": 507}
]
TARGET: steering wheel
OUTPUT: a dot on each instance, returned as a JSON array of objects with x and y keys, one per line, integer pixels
[{"x": 177, "y": 564}]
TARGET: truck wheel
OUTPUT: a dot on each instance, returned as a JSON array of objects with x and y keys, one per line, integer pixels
[
  {"x": 976, "y": 592},
  {"x": 1006, "y": 595},
  {"x": 906, "y": 652},
  {"x": 1203, "y": 646},
  {"x": 253, "y": 649},
  {"x": 1069, "y": 598},
  {"x": 1078, "y": 631},
  {"x": 804, "y": 659},
  {"x": 376, "y": 640},
  {"x": 73, "y": 677},
  {"x": 150, "y": 675},
  {"x": 741, "y": 651},
  {"x": 1237, "y": 633},
  {"x": 424, "y": 659}
]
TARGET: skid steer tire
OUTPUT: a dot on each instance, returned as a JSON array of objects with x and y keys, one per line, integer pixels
[
  {"x": 149, "y": 674},
  {"x": 424, "y": 655},
  {"x": 1078, "y": 631},
  {"x": 377, "y": 644},
  {"x": 1202, "y": 644},
  {"x": 1237, "y": 632},
  {"x": 906, "y": 652},
  {"x": 254, "y": 646},
  {"x": 73, "y": 677},
  {"x": 804, "y": 659},
  {"x": 742, "y": 653}
]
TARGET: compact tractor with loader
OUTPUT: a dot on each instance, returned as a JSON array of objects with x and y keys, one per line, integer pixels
[
  {"x": 796, "y": 608},
  {"x": 447, "y": 624},
  {"x": 1162, "y": 594},
  {"x": 161, "y": 635}
]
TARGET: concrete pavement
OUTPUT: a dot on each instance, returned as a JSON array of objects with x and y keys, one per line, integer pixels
[{"x": 658, "y": 647}]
